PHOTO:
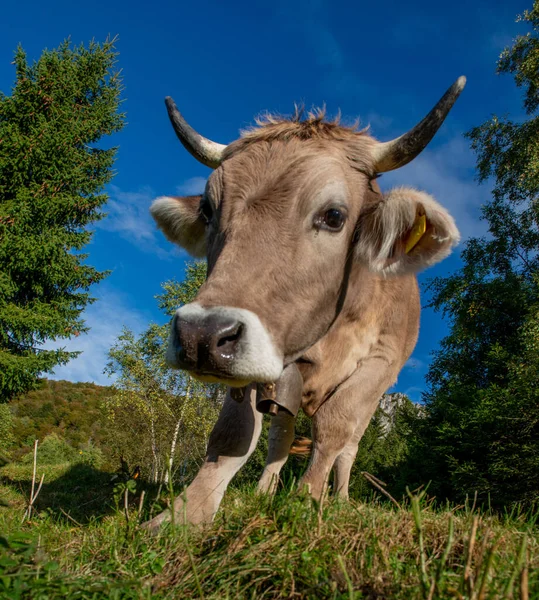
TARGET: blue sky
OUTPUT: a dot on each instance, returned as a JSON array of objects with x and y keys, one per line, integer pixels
[{"x": 225, "y": 62}]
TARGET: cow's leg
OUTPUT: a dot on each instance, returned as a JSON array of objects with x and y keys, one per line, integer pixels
[
  {"x": 345, "y": 461},
  {"x": 231, "y": 442},
  {"x": 350, "y": 407},
  {"x": 281, "y": 436}
]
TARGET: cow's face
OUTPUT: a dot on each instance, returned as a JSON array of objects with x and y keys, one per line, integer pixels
[
  {"x": 277, "y": 222},
  {"x": 283, "y": 220}
]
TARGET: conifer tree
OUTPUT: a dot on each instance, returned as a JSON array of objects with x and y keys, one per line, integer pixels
[{"x": 52, "y": 176}]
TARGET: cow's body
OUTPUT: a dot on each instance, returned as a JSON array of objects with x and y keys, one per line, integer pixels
[
  {"x": 379, "y": 319},
  {"x": 309, "y": 265}
]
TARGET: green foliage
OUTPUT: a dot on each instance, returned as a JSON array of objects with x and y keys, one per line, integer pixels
[
  {"x": 384, "y": 446},
  {"x": 481, "y": 431},
  {"x": 55, "y": 450},
  {"x": 509, "y": 150},
  {"x": 91, "y": 455},
  {"x": 52, "y": 176},
  {"x": 159, "y": 418},
  {"x": 76, "y": 488},
  {"x": 6, "y": 428},
  {"x": 52, "y": 451},
  {"x": 73, "y": 411},
  {"x": 177, "y": 294},
  {"x": 383, "y": 450}
]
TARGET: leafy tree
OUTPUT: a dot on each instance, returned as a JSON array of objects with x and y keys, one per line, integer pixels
[
  {"x": 155, "y": 411},
  {"x": 176, "y": 294},
  {"x": 481, "y": 432},
  {"x": 52, "y": 176},
  {"x": 53, "y": 450}
]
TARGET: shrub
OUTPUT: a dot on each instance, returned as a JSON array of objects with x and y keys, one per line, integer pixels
[{"x": 53, "y": 450}]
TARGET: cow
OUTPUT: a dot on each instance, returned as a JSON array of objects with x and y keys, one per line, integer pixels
[{"x": 311, "y": 299}]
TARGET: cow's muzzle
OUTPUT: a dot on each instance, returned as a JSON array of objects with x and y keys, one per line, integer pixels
[{"x": 223, "y": 344}]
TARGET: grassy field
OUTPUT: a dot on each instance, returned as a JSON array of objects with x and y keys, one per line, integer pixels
[{"x": 83, "y": 543}]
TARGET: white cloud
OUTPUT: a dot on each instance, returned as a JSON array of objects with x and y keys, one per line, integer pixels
[
  {"x": 106, "y": 318},
  {"x": 192, "y": 187},
  {"x": 128, "y": 215}
]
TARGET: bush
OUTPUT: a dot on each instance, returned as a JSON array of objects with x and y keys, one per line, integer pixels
[
  {"x": 53, "y": 450},
  {"x": 6, "y": 428},
  {"x": 91, "y": 455}
]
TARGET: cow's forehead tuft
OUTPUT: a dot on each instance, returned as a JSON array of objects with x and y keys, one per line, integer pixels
[{"x": 313, "y": 126}]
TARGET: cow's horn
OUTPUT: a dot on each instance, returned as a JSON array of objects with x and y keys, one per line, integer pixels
[
  {"x": 400, "y": 151},
  {"x": 205, "y": 151}
]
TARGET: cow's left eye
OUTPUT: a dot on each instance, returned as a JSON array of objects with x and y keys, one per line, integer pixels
[
  {"x": 331, "y": 220},
  {"x": 206, "y": 210}
]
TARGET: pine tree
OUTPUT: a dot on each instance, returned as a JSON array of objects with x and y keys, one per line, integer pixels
[{"x": 52, "y": 175}]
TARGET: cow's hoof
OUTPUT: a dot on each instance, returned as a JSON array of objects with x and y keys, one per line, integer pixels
[{"x": 154, "y": 525}]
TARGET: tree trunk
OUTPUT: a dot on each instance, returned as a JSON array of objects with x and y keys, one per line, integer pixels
[
  {"x": 175, "y": 434},
  {"x": 155, "y": 467}
]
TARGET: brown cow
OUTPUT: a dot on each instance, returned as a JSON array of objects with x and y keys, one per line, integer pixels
[{"x": 311, "y": 271}]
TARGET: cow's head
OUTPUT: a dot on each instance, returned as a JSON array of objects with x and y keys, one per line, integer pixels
[{"x": 290, "y": 208}]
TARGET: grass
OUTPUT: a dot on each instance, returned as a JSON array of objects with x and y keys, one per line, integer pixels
[{"x": 258, "y": 547}]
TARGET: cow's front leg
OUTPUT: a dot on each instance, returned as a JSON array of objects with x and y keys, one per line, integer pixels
[
  {"x": 280, "y": 438},
  {"x": 231, "y": 442},
  {"x": 350, "y": 408}
]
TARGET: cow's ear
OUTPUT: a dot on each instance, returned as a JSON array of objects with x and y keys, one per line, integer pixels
[
  {"x": 406, "y": 232},
  {"x": 181, "y": 222}
]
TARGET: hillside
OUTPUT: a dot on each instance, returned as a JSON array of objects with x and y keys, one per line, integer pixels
[{"x": 70, "y": 410}]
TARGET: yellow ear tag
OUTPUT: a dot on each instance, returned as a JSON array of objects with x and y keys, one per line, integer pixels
[{"x": 418, "y": 230}]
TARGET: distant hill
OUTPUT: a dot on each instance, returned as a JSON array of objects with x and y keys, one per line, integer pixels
[{"x": 71, "y": 410}]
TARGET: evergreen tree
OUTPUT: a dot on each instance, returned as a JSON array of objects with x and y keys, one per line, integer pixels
[
  {"x": 52, "y": 176},
  {"x": 481, "y": 431}
]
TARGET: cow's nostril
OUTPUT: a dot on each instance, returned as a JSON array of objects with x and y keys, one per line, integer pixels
[
  {"x": 231, "y": 338},
  {"x": 227, "y": 340},
  {"x": 210, "y": 344}
]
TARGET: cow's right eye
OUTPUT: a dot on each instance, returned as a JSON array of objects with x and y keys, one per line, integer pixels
[
  {"x": 331, "y": 220},
  {"x": 206, "y": 210}
]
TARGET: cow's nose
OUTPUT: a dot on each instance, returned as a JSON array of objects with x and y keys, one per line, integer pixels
[
  {"x": 225, "y": 336},
  {"x": 208, "y": 345}
]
